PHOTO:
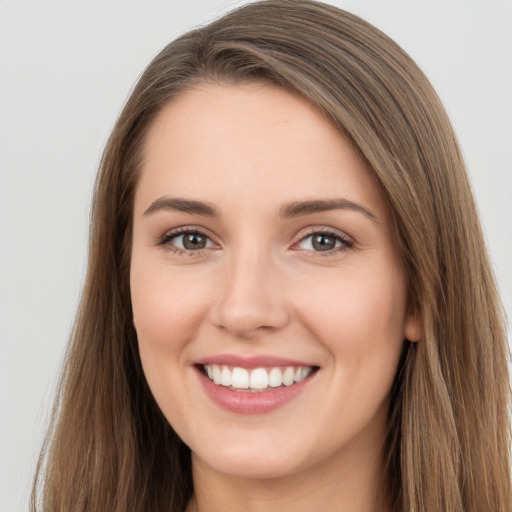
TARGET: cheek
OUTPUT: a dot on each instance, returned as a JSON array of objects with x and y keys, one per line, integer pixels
[
  {"x": 360, "y": 321},
  {"x": 168, "y": 309},
  {"x": 358, "y": 315},
  {"x": 167, "y": 305}
]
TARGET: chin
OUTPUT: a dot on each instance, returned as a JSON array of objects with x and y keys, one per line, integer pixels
[
  {"x": 260, "y": 459},
  {"x": 254, "y": 468}
]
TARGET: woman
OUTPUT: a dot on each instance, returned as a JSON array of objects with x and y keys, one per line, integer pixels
[{"x": 288, "y": 302}]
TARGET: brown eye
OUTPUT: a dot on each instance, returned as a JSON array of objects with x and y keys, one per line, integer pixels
[
  {"x": 325, "y": 242},
  {"x": 194, "y": 241},
  {"x": 321, "y": 242},
  {"x": 186, "y": 240}
]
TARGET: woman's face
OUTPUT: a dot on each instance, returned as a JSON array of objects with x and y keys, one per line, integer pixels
[{"x": 269, "y": 297}]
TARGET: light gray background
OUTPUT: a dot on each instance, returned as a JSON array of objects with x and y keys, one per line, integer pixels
[{"x": 66, "y": 69}]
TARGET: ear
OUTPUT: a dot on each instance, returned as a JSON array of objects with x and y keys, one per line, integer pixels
[{"x": 413, "y": 327}]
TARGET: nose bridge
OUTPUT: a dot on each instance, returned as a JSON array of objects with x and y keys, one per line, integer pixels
[{"x": 250, "y": 300}]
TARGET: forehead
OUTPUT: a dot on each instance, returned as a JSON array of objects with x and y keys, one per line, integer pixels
[{"x": 249, "y": 143}]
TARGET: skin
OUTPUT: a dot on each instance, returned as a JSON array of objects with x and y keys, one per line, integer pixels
[{"x": 259, "y": 286}]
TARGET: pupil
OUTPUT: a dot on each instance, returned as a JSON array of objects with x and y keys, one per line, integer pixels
[
  {"x": 194, "y": 241},
  {"x": 323, "y": 242}
]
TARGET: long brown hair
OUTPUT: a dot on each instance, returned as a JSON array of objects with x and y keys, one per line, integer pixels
[{"x": 109, "y": 446}]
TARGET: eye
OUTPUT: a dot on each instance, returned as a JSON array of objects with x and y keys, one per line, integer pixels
[
  {"x": 324, "y": 241},
  {"x": 185, "y": 240}
]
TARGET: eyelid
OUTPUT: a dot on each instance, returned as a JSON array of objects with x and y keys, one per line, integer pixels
[
  {"x": 166, "y": 238},
  {"x": 346, "y": 241},
  {"x": 328, "y": 230}
]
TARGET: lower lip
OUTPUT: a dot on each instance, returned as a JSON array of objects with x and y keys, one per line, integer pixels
[{"x": 247, "y": 402}]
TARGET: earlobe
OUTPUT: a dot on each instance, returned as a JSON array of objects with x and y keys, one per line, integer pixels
[{"x": 413, "y": 327}]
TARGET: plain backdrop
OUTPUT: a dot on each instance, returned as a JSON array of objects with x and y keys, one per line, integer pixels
[{"x": 66, "y": 69}]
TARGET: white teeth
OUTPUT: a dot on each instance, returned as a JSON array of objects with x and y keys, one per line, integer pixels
[
  {"x": 217, "y": 375},
  {"x": 258, "y": 378},
  {"x": 288, "y": 376},
  {"x": 225, "y": 376},
  {"x": 301, "y": 373},
  {"x": 275, "y": 378},
  {"x": 239, "y": 378}
]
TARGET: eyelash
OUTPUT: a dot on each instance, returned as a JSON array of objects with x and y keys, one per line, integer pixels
[
  {"x": 165, "y": 241},
  {"x": 345, "y": 243}
]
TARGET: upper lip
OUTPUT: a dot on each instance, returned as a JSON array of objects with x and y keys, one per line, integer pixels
[{"x": 251, "y": 362}]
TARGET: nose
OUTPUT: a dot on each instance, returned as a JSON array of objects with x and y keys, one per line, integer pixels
[{"x": 250, "y": 301}]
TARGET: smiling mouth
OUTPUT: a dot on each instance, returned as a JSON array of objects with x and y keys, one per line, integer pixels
[{"x": 256, "y": 379}]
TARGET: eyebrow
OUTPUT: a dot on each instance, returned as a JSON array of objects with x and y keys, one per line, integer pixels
[
  {"x": 299, "y": 208},
  {"x": 288, "y": 210},
  {"x": 182, "y": 205}
]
